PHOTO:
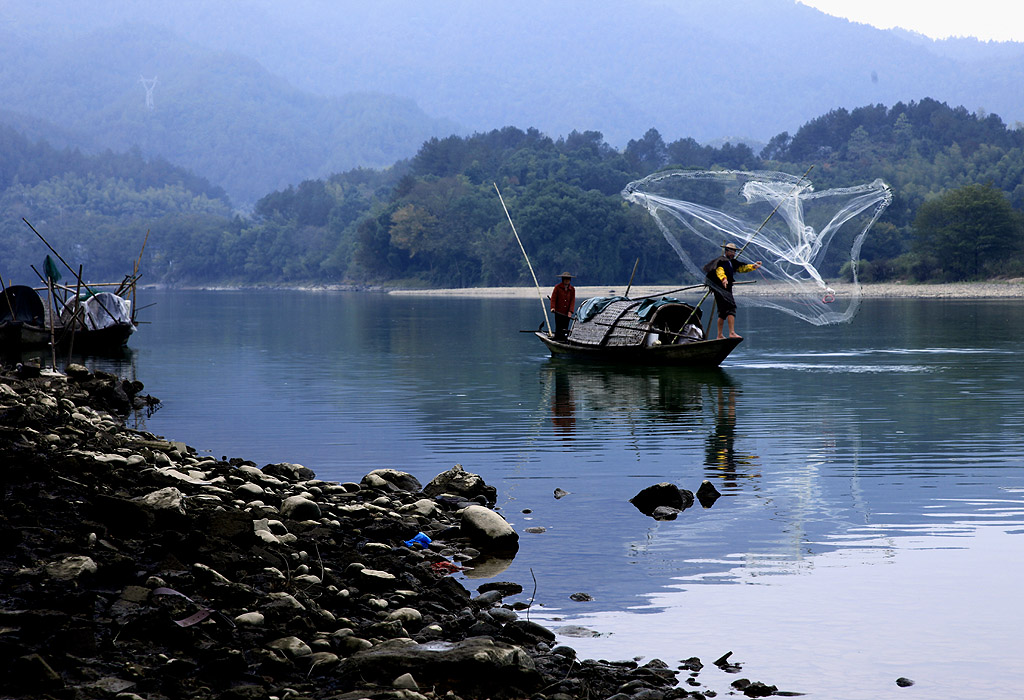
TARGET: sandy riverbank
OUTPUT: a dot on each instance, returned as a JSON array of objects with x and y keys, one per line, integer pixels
[{"x": 962, "y": 290}]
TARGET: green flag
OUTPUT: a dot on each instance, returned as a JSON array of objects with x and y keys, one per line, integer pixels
[{"x": 52, "y": 273}]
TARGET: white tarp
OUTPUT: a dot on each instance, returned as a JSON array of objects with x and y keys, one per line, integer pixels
[{"x": 105, "y": 309}]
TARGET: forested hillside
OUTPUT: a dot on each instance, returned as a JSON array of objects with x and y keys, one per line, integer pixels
[{"x": 436, "y": 220}]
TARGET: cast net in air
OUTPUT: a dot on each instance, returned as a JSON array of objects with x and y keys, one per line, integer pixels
[{"x": 801, "y": 236}]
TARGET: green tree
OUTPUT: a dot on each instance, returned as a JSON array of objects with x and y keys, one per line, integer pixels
[{"x": 968, "y": 233}]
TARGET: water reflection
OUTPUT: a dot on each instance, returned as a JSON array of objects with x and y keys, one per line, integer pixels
[
  {"x": 662, "y": 393},
  {"x": 119, "y": 361},
  {"x": 721, "y": 459},
  {"x": 563, "y": 407}
]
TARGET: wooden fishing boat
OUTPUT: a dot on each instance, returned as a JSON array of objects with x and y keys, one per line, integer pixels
[
  {"x": 663, "y": 331},
  {"x": 84, "y": 316},
  {"x": 100, "y": 322},
  {"x": 22, "y": 319}
]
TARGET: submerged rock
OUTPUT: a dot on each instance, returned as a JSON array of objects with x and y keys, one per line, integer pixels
[
  {"x": 663, "y": 495},
  {"x": 707, "y": 494}
]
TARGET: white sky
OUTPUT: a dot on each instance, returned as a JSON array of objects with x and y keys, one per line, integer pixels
[{"x": 997, "y": 20}]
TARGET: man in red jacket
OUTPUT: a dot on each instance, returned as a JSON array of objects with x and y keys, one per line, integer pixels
[{"x": 563, "y": 301}]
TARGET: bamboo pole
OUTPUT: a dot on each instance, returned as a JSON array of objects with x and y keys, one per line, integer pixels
[
  {"x": 53, "y": 250},
  {"x": 535, "y": 282},
  {"x": 135, "y": 272},
  {"x": 10, "y": 305},
  {"x": 74, "y": 315},
  {"x": 630, "y": 286},
  {"x": 53, "y": 345}
]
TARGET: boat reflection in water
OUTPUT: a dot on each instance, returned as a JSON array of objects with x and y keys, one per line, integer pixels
[{"x": 655, "y": 403}]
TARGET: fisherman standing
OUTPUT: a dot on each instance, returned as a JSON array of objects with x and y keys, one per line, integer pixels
[
  {"x": 563, "y": 301},
  {"x": 719, "y": 277}
]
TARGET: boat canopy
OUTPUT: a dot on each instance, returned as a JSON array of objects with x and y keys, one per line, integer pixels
[
  {"x": 620, "y": 322},
  {"x": 25, "y": 304}
]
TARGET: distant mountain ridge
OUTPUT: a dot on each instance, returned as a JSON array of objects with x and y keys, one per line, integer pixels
[
  {"x": 257, "y": 95},
  {"x": 219, "y": 114}
]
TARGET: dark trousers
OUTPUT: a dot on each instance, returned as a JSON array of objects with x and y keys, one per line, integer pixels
[{"x": 561, "y": 326}]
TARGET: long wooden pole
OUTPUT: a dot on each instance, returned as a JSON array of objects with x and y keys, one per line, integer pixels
[
  {"x": 53, "y": 345},
  {"x": 135, "y": 272},
  {"x": 70, "y": 269},
  {"x": 535, "y": 282},
  {"x": 10, "y": 306},
  {"x": 74, "y": 314},
  {"x": 630, "y": 286}
]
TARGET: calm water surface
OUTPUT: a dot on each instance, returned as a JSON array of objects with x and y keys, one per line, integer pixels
[{"x": 873, "y": 492}]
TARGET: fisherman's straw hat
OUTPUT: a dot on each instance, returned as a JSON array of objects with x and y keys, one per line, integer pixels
[
  {"x": 565, "y": 274},
  {"x": 730, "y": 246}
]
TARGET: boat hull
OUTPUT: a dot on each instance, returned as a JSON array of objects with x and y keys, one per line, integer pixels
[
  {"x": 111, "y": 338},
  {"x": 16, "y": 336},
  {"x": 701, "y": 353}
]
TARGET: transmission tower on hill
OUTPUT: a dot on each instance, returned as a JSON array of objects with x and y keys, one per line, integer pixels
[{"x": 149, "y": 84}]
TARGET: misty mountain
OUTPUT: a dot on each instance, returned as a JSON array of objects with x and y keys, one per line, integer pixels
[
  {"x": 220, "y": 114},
  {"x": 258, "y": 94}
]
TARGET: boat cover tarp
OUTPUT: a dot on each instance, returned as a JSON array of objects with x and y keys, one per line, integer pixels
[
  {"x": 105, "y": 309},
  {"x": 595, "y": 305},
  {"x": 649, "y": 306},
  {"x": 24, "y": 302}
]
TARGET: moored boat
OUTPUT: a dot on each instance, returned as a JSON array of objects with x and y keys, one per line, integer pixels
[
  {"x": 22, "y": 319},
  {"x": 101, "y": 321},
  {"x": 649, "y": 331}
]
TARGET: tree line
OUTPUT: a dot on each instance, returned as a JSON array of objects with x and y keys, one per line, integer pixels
[{"x": 436, "y": 220}]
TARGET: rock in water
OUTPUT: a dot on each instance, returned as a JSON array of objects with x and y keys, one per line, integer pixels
[
  {"x": 663, "y": 494},
  {"x": 707, "y": 494},
  {"x": 488, "y": 530}
]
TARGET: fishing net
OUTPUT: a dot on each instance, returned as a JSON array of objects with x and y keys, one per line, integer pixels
[{"x": 801, "y": 236}]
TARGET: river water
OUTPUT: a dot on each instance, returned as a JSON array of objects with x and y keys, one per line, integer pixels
[{"x": 872, "y": 474}]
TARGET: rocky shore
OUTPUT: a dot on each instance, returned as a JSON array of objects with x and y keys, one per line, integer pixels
[{"x": 132, "y": 568}]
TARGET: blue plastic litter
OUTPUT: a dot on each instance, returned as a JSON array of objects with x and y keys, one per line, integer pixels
[{"x": 420, "y": 539}]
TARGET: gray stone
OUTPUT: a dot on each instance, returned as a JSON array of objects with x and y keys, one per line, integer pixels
[
  {"x": 289, "y": 471},
  {"x": 405, "y": 615},
  {"x": 70, "y": 568},
  {"x": 248, "y": 492},
  {"x": 292, "y": 647},
  {"x": 392, "y": 480},
  {"x": 474, "y": 667},
  {"x": 375, "y": 580},
  {"x": 250, "y": 619},
  {"x": 405, "y": 681},
  {"x": 300, "y": 508},
  {"x": 487, "y": 529},
  {"x": 458, "y": 482},
  {"x": 166, "y": 500}
]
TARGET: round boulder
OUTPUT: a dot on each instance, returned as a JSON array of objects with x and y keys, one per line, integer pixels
[
  {"x": 300, "y": 508},
  {"x": 488, "y": 530}
]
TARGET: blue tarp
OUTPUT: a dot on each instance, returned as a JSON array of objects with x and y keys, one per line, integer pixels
[{"x": 649, "y": 306}]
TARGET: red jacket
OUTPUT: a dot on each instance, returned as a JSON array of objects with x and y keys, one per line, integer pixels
[{"x": 563, "y": 299}]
